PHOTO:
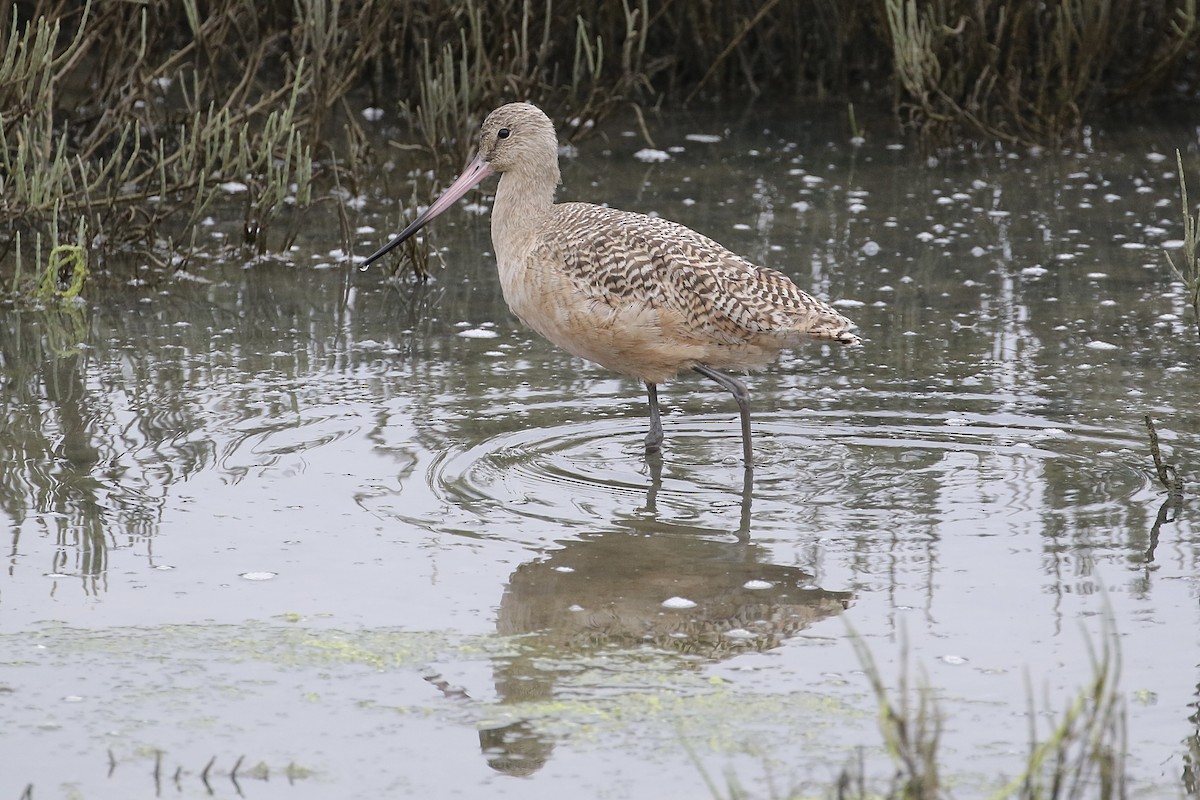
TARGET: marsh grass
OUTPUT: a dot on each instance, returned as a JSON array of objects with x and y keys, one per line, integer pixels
[
  {"x": 1078, "y": 756},
  {"x": 110, "y": 139},
  {"x": 137, "y": 118},
  {"x": 1083, "y": 753},
  {"x": 911, "y": 726}
]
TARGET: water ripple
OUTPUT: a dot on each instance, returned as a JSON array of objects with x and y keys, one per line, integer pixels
[{"x": 818, "y": 471}]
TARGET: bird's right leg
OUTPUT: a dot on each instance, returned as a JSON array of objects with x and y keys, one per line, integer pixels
[
  {"x": 742, "y": 396},
  {"x": 654, "y": 438}
]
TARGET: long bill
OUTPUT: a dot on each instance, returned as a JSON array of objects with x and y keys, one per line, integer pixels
[{"x": 475, "y": 173}]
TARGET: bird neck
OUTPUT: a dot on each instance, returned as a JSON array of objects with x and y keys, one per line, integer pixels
[
  {"x": 522, "y": 199},
  {"x": 527, "y": 192}
]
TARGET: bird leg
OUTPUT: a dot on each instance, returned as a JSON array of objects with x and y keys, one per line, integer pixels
[
  {"x": 742, "y": 396},
  {"x": 654, "y": 438}
]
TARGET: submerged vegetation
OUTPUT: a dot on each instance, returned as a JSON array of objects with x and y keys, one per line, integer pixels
[{"x": 123, "y": 125}]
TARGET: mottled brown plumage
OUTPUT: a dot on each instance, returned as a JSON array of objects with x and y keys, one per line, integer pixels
[{"x": 639, "y": 295}]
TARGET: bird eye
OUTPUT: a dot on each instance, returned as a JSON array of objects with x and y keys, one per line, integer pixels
[{"x": 503, "y": 133}]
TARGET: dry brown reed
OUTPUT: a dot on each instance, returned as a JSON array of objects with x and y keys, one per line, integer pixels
[
  {"x": 1187, "y": 271},
  {"x": 1031, "y": 72}
]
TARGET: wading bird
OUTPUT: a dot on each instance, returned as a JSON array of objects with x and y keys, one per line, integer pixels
[{"x": 640, "y": 295}]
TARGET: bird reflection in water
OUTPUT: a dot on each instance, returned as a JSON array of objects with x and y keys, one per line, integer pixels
[{"x": 607, "y": 594}]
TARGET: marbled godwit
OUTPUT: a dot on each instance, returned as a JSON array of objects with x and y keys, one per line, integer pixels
[{"x": 640, "y": 295}]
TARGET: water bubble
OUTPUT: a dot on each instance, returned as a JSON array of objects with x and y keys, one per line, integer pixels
[
  {"x": 678, "y": 603},
  {"x": 650, "y": 155},
  {"x": 740, "y": 633},
  {"x": 258, "y": 576}
]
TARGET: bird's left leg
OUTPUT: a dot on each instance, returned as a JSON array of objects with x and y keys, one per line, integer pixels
[{"x": 742, "y": 395}]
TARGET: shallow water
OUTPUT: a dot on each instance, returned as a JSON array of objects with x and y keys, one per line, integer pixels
[{"x": 377, "y": 538}]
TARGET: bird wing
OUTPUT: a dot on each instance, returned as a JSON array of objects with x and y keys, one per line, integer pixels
[{"x": 620, "y": 258}]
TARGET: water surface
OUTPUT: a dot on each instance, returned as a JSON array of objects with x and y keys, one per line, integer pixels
[{"x": 373, "y": 537}]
